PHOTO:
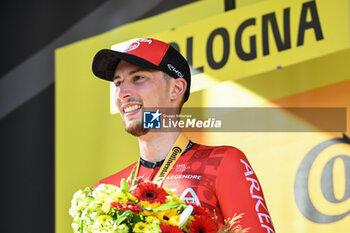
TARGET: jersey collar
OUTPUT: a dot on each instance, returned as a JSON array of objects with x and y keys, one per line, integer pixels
[{"x": 149, "y": 164}]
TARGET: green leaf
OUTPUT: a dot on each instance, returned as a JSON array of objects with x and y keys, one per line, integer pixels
[
  {"x": 81, "y": 226},
  {"x": 124, "y": 185},
  {"x": 112, "y": 212},
  {"x": 181, "y": 208},
  {"x": 88, "y": 190},
  {"x": 137, "y": 218},
  {"x": 169, "y": 205},
  {"x": 90, "y": 199},
  {"x": 124, "y": 216},
  {"x": 144, "y": 208}
]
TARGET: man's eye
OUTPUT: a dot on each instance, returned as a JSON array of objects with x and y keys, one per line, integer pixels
[
  {"x": 117, "y": 84},
  {"x": 137, "y": 77}
]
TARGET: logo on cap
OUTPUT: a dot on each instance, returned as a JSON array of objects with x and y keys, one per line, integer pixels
[
  {"x": 136, "y": 44},
  {"x": 173, "y": 69}
]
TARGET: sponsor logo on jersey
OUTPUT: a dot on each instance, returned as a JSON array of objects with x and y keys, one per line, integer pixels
[
  {"x": 181, "y": 167},
  {"x": 256, "y": 195},
  {"x": 190, "y": 196},
  {"x": 183, "y": 176},
  {"x": 176, "y": 150}
]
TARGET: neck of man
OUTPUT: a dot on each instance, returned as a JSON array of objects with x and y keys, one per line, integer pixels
[{"x": 155, "y": 147}]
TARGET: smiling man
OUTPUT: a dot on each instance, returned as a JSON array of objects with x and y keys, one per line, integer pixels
[
  {"x": 149, "y": 73},
  {"x": 141, "y": 87}
]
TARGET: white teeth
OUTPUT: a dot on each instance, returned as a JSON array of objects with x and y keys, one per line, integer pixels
[{"x": 131, "y": 108}]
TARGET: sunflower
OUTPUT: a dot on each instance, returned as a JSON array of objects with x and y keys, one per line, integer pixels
[
  {"x": 203, "y": 224},
  {"x": 174, "y": 220},
  {"x": 170, "y": 229},
  {"x": 150, "y": 192},
  {"x": 173, "y": 196},
  {"x": 149, "y": 206},
  {"x": 168, "y": 214},
  {"x": 121, "y": 197},
  {"x": 142, "y": 227},
  {"x": 131, "y": 197},
  {"x": 151, "y": 219}
]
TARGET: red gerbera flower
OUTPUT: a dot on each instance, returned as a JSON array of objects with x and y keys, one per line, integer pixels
[
  {"x": 149, "y": 192},
  {"x": 198, "y": 210},
  {"x": 130, "y": 206},
  {"x": 203, "y": 224},
  {"x": 170, "y": 229}
]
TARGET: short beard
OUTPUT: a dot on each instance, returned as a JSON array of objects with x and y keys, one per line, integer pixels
[{"x": 136, "y": 129}]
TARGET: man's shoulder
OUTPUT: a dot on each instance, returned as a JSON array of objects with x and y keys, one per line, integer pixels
[{"x": 116, "y": 178}]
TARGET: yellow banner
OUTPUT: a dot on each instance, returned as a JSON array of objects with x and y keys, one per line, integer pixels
[{"x": 266, "y": 36}]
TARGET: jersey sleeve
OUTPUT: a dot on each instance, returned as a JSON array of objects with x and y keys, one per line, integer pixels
[{"x": 239, "y": 191}]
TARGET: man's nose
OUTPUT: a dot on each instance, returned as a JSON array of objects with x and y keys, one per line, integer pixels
[{"x": 124, "y": 90}]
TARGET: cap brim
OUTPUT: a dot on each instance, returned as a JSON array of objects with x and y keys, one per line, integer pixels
[{"x": 105, "y": 62}]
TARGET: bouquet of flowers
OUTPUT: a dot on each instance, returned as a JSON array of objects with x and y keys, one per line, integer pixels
[{"x": 143, "y": 208}]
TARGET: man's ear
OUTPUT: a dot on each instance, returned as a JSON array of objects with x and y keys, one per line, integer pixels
[{"x": 178, "y": 88}]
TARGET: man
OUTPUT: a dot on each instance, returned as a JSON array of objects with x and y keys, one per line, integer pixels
[{"x": 150, "y": 73}]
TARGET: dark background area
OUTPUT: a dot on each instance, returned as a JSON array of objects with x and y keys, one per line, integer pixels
[
  {"x": 27, "y": 133},
  {"x": 30, "y": 25}
]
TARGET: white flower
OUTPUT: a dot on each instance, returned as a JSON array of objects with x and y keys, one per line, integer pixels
[
  {"x": 103, "y": 191},
  {"x": 79, "y": 202}
]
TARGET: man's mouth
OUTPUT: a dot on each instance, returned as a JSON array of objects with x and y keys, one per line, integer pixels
[{"x": 131, "y": 108}]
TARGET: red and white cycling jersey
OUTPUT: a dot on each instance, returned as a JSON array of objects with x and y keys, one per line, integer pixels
[{"x": 218, "y": 178}]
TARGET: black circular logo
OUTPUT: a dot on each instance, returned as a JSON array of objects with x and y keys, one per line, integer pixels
[
  {"x": 176, "y": 150},
  {"x": 301, "y": 186}
]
